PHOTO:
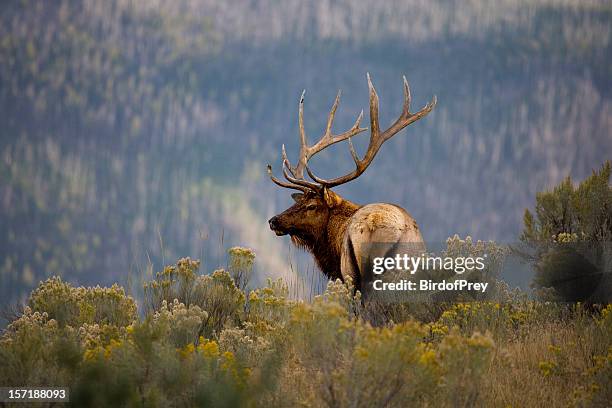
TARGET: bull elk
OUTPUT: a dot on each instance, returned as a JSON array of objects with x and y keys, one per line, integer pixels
[{"x": 335, "y": 230}]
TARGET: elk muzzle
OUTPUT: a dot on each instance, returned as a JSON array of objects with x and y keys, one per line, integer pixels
[{"x": 275, "y": 226}]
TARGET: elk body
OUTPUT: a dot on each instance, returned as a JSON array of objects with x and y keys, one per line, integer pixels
[{"x": 345, "y": 237}]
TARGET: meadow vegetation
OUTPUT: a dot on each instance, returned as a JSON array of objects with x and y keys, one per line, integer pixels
[
  {"x": 569, "y": 239},
  {"x": 211, "y": 339},
  {"x": 200, "y": 340}
]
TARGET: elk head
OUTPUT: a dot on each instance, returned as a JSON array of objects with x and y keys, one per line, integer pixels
[
  {"x": 317, "y": 206},
  {"x": 309, "y": 215}
]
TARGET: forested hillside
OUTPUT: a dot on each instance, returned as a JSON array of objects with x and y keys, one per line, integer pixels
[{"x": 137, "y": 132}]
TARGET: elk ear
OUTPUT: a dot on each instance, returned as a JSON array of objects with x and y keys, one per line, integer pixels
[
  {"x": 297, "y": 197},
  {"x": 331, "y": 199}
]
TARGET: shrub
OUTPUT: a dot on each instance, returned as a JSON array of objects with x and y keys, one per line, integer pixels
[
  {"x": 503, "y": 320},
  {"x": 270, "y": 304},
  {"x": 463, "y": 376},
  {"x": 36, "y": 351},
  {"x": 173, "y": 282},
  {"x": 352, "y": 363},
  {"x": 217, "y": 294},
  {"x": 280, "y": 352},
  {"x": 222, "y": 300},
  {"x": 76, "y": 306},
  {"x": 493, "y": 255},
  {"x": 568, "y": 239},
  {"x": 180, "y": 324},
  {"x": 585, "y": 210},
  {"x": 241, "y": 265}
]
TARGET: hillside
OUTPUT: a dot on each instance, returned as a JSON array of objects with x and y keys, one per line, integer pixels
[{"x": 136, "y": 132}]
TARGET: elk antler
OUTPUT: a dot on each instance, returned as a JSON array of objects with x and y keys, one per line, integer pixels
[
  {"x": 328, "y": 139},
  {"x": 295, "y": 175}
]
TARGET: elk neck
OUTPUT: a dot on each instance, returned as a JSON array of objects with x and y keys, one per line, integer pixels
[{"x": 327, "y": 248}]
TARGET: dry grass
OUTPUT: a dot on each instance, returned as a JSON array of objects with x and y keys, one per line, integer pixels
[{"x": 205, "y": 342}]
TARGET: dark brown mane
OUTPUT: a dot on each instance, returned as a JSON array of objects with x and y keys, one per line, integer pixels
[
  {"x": 326, "y": 245},
  {"x": 299, "y": 243}
]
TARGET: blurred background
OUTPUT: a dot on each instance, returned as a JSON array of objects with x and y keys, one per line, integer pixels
[{"x": 137, "y": 132}]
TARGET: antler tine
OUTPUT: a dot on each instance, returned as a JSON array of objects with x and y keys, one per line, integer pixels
[
  {"x": 407, "y": 98},
  {"x": 353, "y": 152},
  {"x": 374, "y": 124},
  {"x": 286, "y": 161},
  {"x": 328, "y": 138},
  {"x": 300, "y": 182},
  {"x": 314, "y": 177},
  {"x": 282, "y": 183},
  {"x": 406, "y": 118},
  {"x": 297, "y": 170},
  {"x": 330, "y": 117},
  {"x": 376, "y": 137}
]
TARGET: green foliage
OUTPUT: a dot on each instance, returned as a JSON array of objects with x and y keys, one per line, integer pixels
[
  {"x": 241, "y": 265},
  {"x": 174, "y": 282},
  {"x": 207, "y": 349},
  {"x": 584, "y": 212},
  {"x": 502, "y": 320},
  {"x": 569, "y": 238},
  {"x": 25, "y": 350},
  {"x": 269, "y": 304},
  {"x": 353, "y": 363},
  {"x": 75, "y": 306},
  {"x": 181, "y": 324},
  {"x": 217, "y": 294},
  {"x": 493, "y": 256}
]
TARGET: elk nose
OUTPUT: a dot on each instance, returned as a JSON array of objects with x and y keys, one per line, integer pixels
[{"x": 273, "y": 222}]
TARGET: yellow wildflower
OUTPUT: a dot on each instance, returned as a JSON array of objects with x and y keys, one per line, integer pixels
[
  {"x": 209, "y": 349},
  {"x": 428, "y": 357},
  {"x": 361, "y": 352},
  {"x": 92, "y": 354},
  {"x": 187, "y": 350},
  {"x": 547, "y": 367}
]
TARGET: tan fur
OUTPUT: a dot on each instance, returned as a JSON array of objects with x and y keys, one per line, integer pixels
[{"x": 377, "y": 224}]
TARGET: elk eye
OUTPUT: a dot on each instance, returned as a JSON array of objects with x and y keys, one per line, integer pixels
[{"x": 311, "y": 207}]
